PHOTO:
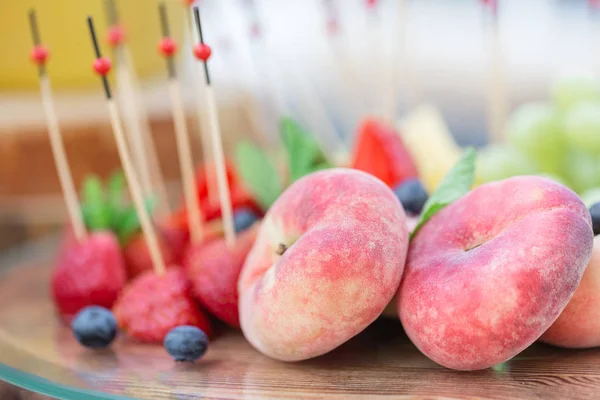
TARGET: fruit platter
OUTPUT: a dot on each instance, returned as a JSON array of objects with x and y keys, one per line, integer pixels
[{"x": 403, "y": 266}]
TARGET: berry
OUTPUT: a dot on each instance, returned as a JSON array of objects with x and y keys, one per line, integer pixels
[
  {"x": 202, "y": 52},
  {"x": 243, "y": 219},
  {"x": 102, "y": 66},
  {"x": 115, "y": 35},
  {"x": 214, "y": 270},
  {"x": 39, "y": 55},
  {"x": 595, "y": 213},
  {"x": 88, "y": 273},
  {"x": 137, "y": 255},
  {"x": 167, "y": 47},
  {"x": 151, "y": 305},
  {"x": 94, "y": 327},
  {"x": 186, "y": 343},
  {"x": 380, "y": 152},
  {"x": 412, "y": 195}
]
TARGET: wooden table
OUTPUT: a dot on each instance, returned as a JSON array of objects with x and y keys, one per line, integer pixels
[{"x": 38, "y": 353}]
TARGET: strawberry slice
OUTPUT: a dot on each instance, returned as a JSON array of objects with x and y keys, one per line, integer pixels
[{"x": 380, "y": 152}]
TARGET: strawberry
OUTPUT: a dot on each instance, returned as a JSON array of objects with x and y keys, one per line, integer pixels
[
  {"x": 210, "y": 206},
  {"x": 380, "y": 152},
  {"x": 151, "y": 305},
  {"x": 214, "y": 270},
  {"x": 105, "y": 208},
  {"x": 87, "y": 273},
  {"x": 137, "y": 255}
]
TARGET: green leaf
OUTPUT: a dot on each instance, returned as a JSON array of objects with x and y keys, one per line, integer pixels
[
  {"x": 116, "y": 187},
  {"x": 304, "y": 153},
  {"x": 456, "y": 183},
  {"x": 95, "y": 211},
  {"x": 258, "y": 173},
  {"x": 129, "y": 223},
  {"x": 116, "y": 197}
]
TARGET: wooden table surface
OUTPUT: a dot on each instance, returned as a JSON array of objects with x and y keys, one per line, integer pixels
[{"x": 379, "y": 362}]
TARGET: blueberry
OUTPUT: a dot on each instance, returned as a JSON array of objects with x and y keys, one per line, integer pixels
[
  {"x": 595, "y": 213},
  {"x": 94, "y": 327},
  {"x": 412, "y": 195},
  {"x": 186, "y": 343},
  {"x": 243, "y": 219}
]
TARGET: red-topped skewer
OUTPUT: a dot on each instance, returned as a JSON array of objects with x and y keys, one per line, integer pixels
[
  {"x": 39, "y": 55},
  {"x": 136, "y": 121},
  {"x": 168, "y": 47},
  {"x": 102, "y": 67},
  {"x": 203, "y": 53}
]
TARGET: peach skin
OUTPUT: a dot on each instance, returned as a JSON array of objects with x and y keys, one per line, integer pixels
[
  {"x": 578, "y": 326},
  {"x": 488, "y": 274},
  {"x": 328, "y": 258}
]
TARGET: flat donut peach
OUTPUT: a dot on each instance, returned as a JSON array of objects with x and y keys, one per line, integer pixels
[
  {"x": 578, "y": 326},
  {"x": 487, "y": 275},
  {"x": 328, "y": 258}
]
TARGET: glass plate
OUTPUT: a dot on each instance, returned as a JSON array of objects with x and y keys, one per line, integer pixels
[{"x": 39, "y": 354}]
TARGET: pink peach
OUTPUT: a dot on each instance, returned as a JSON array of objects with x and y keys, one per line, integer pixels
[
  {"x": 578, "y": 326},
  {"x": 488, "y": 274},
  {"x": 328, "y": 258}
]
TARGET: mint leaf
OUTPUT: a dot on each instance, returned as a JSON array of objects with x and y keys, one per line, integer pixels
[
  {"x": 116, "y": 187},
  {"x": 304, "y": 153},
  {"x": 129, "y": 223},
  {"x": 95, "y": 211},
  {"x": 456, "y": 183},
  {"x": 258, "y": 173}
]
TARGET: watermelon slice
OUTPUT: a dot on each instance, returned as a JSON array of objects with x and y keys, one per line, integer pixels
[{"x": 380, "y": 152}]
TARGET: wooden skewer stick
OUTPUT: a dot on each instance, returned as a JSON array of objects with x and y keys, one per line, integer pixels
[
  {"x": 203, "y": 52},
  {"x": 391, "y": 81},
  {"x": 102, "y": 67},
  {"x": 168, "y": 47},
  {"x": 138, "y": 127},
  {"x": 39, "y": 56},
  {"x": 203, "y": 129},
  {"x": 496, "y": 91},
  {"x": 350, "y": 93}
]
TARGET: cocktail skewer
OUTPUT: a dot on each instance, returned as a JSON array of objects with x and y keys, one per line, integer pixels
[
  {"x": 39, "y": 55},
  {"x": 102, "y": 67},
  {"x": 496, "y": 88},
  {"x": 136, "y": 121},
  {"x": 203, "y": 53},
  {"x": 168, "y": 47}
]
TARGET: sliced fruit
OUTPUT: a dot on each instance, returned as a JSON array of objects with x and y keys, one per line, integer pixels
[
  {"x": 379, "y": 151},
  {"x": 430, "y": 144}
]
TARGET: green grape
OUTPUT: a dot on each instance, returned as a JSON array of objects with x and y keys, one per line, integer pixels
[
  {"x": 591, "y": 197},
  {"x": 572, "y": 91},
  {"x": 583, "y": 171},
  {"x": 535, "y": 129},
  {"x": 582, "y": 127},
  {"x": 501, "y": 162}
]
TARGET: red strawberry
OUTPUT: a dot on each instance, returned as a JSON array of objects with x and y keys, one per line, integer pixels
[
  {"x": 137, "y": 256},
  {"x": 380, "y": 152},
  {"x": 151, "y": 305},
  {"x": 211, "y": 209},
  {"x": 214, "y": 270},
  {"x": 87, "y": 273}
]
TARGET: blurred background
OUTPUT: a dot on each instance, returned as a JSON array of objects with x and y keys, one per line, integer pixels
[{"x": 327, "y": 64}]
